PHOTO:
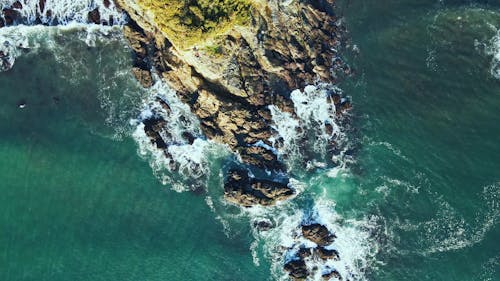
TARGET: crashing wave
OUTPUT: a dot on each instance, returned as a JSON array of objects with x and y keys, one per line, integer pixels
[
  {"x": 61, "y": 12},
  {"x": 16, "y": 37},
  {"x": 312, "y": 134},
  {"x": 493, "y": 49},
  {"x": 74, "y": 65},
  {"x": 169, "y": 136}
]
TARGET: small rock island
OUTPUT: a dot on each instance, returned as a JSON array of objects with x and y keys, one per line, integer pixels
[{"x": 229, "y": 61}]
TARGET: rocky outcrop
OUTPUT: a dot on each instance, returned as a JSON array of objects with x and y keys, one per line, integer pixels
[
  {"x": 248, "y": 191},
  {"x": 318, "y": 234},
  {"x": 299, "y": 267},
  {"x": 230, "y": 78}
]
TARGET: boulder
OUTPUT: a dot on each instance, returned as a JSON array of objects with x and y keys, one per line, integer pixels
[
  {"x": 326, "y": 254},
  {"x": 153, "y": 127},
  {"x": 10, "y": 16},
  {"x": 263, "y": 225},
  {"x": 332, "y": 275},
  {"x": 318, "y": 234},
  {"x": 143, "y": 76}
]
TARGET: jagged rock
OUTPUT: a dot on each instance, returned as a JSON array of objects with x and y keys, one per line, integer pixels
[
  {"x": 153, "y": 128},
  {"x": 10, "y": 15},
  {"x": 143, "y": 76},
  {"x": 303, "y": 252},
  {"x": 164, "y": 105},
  {"x": 137, "y": 40},
  {"x": 318, "y": 234},
  {"x": 17, "y": 5},
  {"x": 332, "y": 274},
  {"x": 297, "y": 269},
  {"x": 207, "y": 105},
  {"x": 41, "y": 5},
  {"x": 326, "y": 254},
  {"x": 241, "y": 189},
  {"x": 94, "y": 16},
  {"x": 229, "y": 80}
]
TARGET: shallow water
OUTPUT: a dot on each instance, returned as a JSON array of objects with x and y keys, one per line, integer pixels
[{"x": 414, "y": 197}]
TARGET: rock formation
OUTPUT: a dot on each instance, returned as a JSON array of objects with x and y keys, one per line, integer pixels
[
  {"x": 12, "y": 15},
  {"x": 298, "y": 268},
  {"x": 229, "y": 61},
  {"x": 318, "y": 233}
]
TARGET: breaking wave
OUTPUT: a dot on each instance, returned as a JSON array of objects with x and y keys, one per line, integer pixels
[
  {"x": 26, "y": 30},
  {"x": 184, "y": 161},
  {"x": 312, "y": 138},
  {"x": 493, "y": 49},
  {"x": 62, "y": 12},
  {"x": 64, "y": 44}
]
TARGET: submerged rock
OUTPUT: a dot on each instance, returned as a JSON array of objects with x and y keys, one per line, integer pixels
[
  {"x": 143, "y": 76},
  {"x": 230, "y": 74},
  {"x": 263, "y": 225},
  {"x": 326, "y": 254}
]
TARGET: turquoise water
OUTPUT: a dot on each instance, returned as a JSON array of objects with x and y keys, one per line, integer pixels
[
  {"x": 78, "y": 204},
  {"x": 427, "y": 110},
  {"x": 419, "y": 200}
]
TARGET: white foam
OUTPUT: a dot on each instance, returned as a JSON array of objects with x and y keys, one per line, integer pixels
[
  {"x": 191, "y": 161},
  {"x": 493, "y": 49},
  {"x": 280, "y": 243},
  {"x": 315, "y": 110},
  {"x": 65, "y": 11},
  {"x": 14, "y": 40}
]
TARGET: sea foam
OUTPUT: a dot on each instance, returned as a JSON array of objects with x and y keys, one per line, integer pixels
[
  {"x": 493, "y": 49},
  {"x": 189, "y": 160},
  {"x": 308, "y": 138},
  {"x": 62, "y": 12},
  {"x": 281, "y": 243}
]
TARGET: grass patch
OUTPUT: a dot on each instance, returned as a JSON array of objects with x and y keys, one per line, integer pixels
[{"x": 190, "y": 22}]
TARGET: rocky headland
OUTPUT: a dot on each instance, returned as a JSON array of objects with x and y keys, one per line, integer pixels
[{"x": 229, "y": 61}]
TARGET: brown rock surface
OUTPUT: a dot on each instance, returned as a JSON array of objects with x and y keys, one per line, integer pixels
[
  {"x": 318, "y": 234},
  {"x": 230, "y": 86},
  {"x": 241, "y": 189}
]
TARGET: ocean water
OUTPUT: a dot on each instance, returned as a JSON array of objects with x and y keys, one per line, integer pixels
[{"x": 412, "y": 193}]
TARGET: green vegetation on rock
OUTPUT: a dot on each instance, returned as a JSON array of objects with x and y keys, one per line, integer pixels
[{"x": 188, "y": 22}]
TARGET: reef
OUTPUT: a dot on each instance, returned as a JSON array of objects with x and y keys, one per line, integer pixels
[{"x": 229, "y": 61}]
